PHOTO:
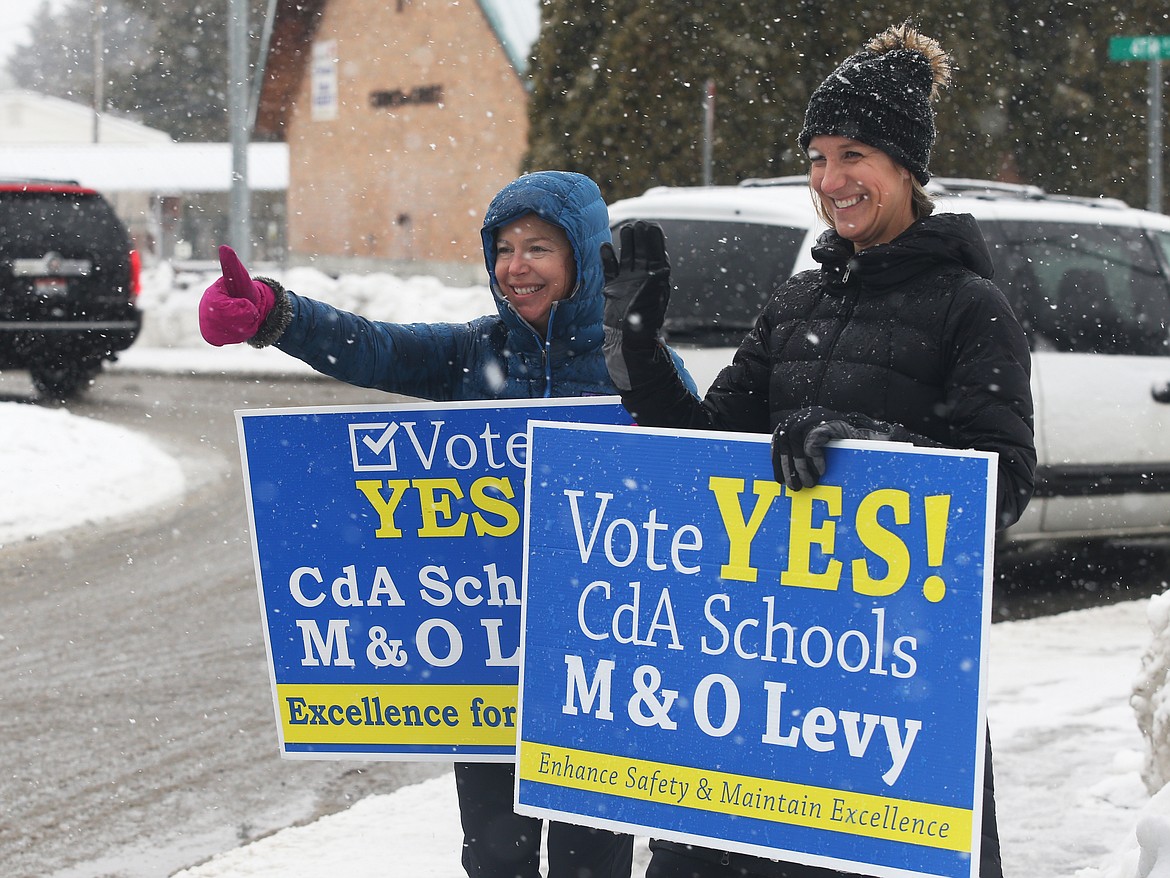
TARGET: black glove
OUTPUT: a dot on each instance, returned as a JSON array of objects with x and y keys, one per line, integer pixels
[
  {"x": 798, "y": 442},
  {"x": 637, "y": 289}
]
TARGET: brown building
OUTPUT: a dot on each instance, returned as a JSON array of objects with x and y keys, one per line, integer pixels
[{"x": 402, "y": 119}]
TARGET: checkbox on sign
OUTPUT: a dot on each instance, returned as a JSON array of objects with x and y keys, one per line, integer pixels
[{"x": 372, "y": 447}]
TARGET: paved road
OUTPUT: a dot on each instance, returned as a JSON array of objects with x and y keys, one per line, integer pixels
[{"x": 136, "y": 727}]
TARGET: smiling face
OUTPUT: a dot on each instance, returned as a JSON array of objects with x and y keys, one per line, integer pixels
[
  {"x": 534, "y": 267},
  {"x": 863, "y": 192}
]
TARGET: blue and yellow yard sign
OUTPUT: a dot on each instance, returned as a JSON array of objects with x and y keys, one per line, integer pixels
[
  {"x": 712, "y": 658},
  {"x": 388, "y": 544}
]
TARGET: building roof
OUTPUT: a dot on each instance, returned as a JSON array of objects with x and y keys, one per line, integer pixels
[
  {"x": 32, "y": 117},
  {"x": 517, "y": 25},
  {"x": 164, "y": 169},
  {"x": 295, "y": 22}
]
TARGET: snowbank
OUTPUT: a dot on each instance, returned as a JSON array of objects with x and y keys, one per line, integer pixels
[{"x": 62, "y": 471}]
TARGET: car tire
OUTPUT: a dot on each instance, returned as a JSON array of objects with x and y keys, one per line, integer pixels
[{"x": 63, "y": 381}]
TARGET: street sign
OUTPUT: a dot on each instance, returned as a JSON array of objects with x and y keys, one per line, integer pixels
[{"x": 1148, "y": 48}]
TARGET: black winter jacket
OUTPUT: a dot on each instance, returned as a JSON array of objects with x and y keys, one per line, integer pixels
[{"x": 911, "y": 332}]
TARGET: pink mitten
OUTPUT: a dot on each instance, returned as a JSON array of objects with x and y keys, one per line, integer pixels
[{"x": 233, "y": 308}]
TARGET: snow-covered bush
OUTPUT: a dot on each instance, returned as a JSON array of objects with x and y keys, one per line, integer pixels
[{"x": 1151, "y": 696}]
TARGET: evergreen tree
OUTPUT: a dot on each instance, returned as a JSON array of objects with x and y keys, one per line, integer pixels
[
  {"x": 59, "y": 58},
  {"x": 621, "y": 84},
  {"x": 163, "y": 63}
]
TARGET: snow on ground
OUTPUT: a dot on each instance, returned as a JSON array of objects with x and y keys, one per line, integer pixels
[
  {"x": 57, "y": 464},
  {"x": 1068, "y": 753}
]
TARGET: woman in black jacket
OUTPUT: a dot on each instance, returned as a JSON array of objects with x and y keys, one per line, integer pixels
[{"x": 899, "y": 335}]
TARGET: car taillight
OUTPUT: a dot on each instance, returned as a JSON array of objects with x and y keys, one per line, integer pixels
[{"x": 135, "y": 274}]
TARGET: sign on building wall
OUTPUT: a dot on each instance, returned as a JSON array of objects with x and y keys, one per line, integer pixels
[
  {"x": 712, "y": 658},
  {"x": 388, "y": 544},
  {"x": 392, "y": 98},
  {"x": 323, "y": 81}
]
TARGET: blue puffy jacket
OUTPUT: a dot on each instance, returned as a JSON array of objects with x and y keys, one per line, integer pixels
[{"x": 497, "y": 356}]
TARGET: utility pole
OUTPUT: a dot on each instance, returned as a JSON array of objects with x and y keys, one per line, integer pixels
[
  {"x": 1152, "y": 48},
  {"x": 99, "y": 75},
  {"x": 240, "y": 234},
  {"x": 708, "y": 129},
  {"x": 1155, "y": 134}
]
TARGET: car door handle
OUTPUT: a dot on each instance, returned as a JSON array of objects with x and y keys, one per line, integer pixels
[{"x": 1161, "y": 394}]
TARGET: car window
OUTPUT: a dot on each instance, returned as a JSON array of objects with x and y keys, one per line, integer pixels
[
  {"x": 71, "y": 224},
  {"x": 1084, "y": 288},
  {"x": 722, "y": 274},
  {"x": 1162, "y": 241}
]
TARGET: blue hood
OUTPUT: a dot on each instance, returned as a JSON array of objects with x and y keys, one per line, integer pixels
[{"x": 573, "y": 202}]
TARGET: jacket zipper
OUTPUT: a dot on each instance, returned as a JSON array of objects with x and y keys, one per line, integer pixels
[
  {"x": 545, "y": 349},
  {"x": 851, "y": 298}
]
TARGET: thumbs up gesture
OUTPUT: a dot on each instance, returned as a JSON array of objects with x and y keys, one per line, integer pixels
[{"x": 234, "y": 307}]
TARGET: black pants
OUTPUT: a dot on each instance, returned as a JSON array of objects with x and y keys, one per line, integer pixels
[
  {"x": 673, "y": 860},
  {"x": 499, "y": 843}
]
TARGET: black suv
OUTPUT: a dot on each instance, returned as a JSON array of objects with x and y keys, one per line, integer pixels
[{"x": 69, "y": 283}]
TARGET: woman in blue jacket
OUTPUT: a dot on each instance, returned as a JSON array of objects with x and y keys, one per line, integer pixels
[
  {"x": 542, "y": 236},
  {"x": 541, "y": 239}
]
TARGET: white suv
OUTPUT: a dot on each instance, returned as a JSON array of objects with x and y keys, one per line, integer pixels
[{"x": 1089, "y": 280}]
